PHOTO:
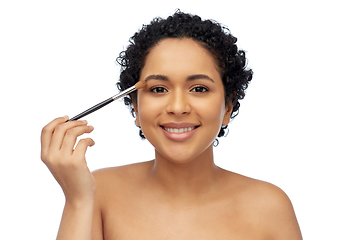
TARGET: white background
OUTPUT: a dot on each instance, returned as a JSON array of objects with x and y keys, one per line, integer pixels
[{"x": 298, "y": 126}]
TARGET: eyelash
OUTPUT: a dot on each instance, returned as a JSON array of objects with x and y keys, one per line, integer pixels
[
  {"x": 156, "y": 89},
  {"x": 203, "y": 89}
]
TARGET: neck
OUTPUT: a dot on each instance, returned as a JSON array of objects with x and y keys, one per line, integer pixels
[{"x": 185, "y": 178}]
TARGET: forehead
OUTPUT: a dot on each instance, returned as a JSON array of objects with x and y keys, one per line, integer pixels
[{"x": 180, "y": 55}]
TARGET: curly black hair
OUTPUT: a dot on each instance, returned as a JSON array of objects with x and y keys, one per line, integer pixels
[{"x": 216, "y": 38}]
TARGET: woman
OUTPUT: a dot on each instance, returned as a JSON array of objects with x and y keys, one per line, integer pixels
[{"x": 195, "y": 78}]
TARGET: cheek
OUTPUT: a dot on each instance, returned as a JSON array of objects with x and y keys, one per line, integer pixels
[
  {"x": 212, "y": 110},
  {"x": 148, "y": 108}
]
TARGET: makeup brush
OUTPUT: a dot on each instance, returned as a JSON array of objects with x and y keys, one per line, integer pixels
[{"x": 137, "y": 86}]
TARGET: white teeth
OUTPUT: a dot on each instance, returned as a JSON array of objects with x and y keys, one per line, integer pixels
[{"x": 179, "y": 130}]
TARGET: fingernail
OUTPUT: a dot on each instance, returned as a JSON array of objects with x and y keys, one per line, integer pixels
[{"x": 84, "y": 121}]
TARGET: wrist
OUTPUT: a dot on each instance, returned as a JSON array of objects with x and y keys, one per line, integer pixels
[{"x": 79, "y": 203}]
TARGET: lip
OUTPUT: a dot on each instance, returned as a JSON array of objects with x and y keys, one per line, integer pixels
[
  {"x": 178, "y": 132},
  {"x": 179, "y": 125}
]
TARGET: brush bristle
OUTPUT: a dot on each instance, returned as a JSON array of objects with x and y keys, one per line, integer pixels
[{"x": 140, "y": 84}]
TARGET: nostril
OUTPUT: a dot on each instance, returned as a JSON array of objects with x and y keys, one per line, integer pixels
[{"x": 178, "y": 103}]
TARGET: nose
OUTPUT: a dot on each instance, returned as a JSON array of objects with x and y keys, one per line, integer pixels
[{"x": 178, "y": 103}]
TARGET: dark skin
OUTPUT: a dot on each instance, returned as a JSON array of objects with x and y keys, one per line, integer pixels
[
  {"x": 236, "y": 207},
  {"x": 181, "y": 194}
]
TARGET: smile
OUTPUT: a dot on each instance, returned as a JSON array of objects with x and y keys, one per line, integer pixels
[{"x": 179, "y": 130}]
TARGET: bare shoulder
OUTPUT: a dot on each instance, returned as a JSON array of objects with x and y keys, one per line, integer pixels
[
  {"x": 266, "y": 205},
  {"x": 264, "y": 193},
  {"x": 114, "y": 190},
  {"x": 124, "y": 171},
  {"x": 122, "y": 177},
  {"x": 259, "y": 191}
]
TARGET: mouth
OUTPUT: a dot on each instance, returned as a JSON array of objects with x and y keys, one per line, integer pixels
[
  {"x": 179, "y": 130},
  {"x": 179, "y": 127}
]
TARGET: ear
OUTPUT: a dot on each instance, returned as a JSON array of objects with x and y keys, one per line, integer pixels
[
  {"x": 137, "y": 121},
  {"x": 227, "y": 115}
]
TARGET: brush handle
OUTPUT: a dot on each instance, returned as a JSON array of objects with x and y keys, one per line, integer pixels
[
  {"x": 123, "y": 93},
  {"x": 104, "y": 103},
  {"x": 92, "y": 109}
]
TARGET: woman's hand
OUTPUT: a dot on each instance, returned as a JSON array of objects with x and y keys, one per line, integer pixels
[{"x": 66, "y": 163}]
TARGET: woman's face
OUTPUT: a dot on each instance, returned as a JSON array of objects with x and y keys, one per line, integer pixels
[{"x": 183, "y": 106}]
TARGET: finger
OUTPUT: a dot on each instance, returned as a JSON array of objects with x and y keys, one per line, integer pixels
[
  {"x": 60, "y": 131},
  {"x": 47, "y": 133},
  {"x": 72, "y": 135},
  {"x": 82, "y": 146}
]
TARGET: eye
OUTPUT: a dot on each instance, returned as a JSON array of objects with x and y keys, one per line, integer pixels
[
  {"x": 158, "y": 89},
  {"x": 199, "y": 89}
]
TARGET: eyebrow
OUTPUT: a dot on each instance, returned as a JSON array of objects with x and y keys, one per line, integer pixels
[{"x": 189, "y": 78}]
